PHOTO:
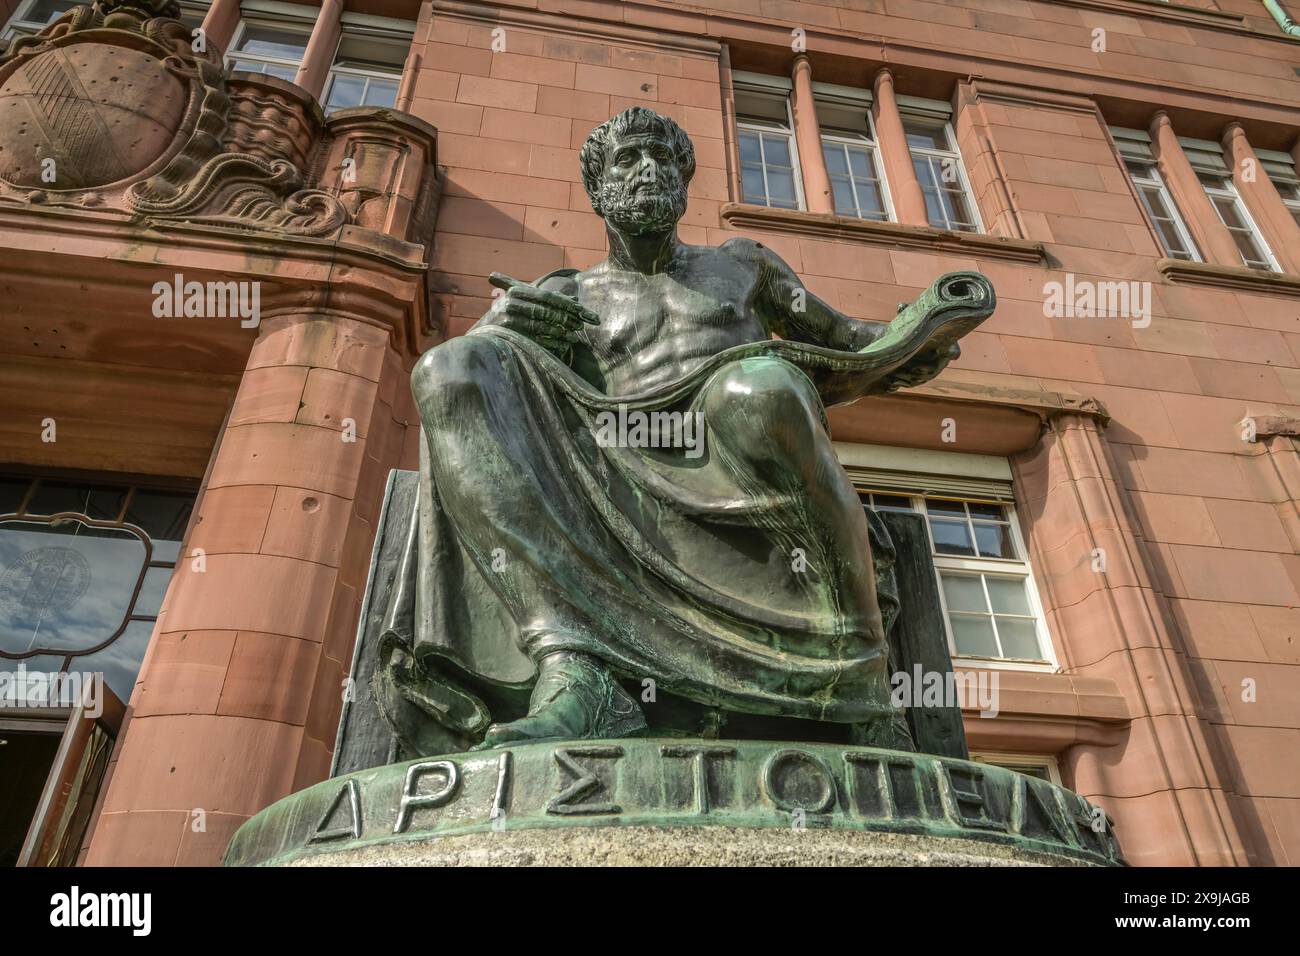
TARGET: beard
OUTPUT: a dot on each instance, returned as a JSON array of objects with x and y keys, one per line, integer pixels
[{"x": 638, "y": 208}]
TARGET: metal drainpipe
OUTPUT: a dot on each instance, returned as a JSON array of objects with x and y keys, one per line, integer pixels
[{"x": 1282, "y": 17}]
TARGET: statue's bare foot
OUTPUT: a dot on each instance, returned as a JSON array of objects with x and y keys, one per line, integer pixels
[{"x": 574, "y": 698}]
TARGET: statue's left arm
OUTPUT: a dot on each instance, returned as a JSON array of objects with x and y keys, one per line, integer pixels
[{"x": 792, "y": 311}]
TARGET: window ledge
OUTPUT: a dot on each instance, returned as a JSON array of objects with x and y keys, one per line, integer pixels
[
  {"x": 1237, "y": 278},
  {"x": 849, "y": 228},
  {"x": 1048, "y": 712}
]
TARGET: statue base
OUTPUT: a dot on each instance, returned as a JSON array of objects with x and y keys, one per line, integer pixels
[
  {"x": 665, "y": 801},
  {"x": 688, "y": 846}
]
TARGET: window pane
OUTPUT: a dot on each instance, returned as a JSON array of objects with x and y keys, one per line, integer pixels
[
  {"x": 860, "y": 161},
  {"x": 963, "y": 592},
  {"x": 872, "y": 203},
  {"x": 951, "y": 537},
  {"x": 1008, "y": 595},
  {"x": 152, "y": 592},
  {"x": 843, "y": 194},
  {"x": 836, "y": 165},
  {"x": 973, "y": 636},
  {"x": 923, "y": 135},
  {"x": 164, "y": 550},
  {"x": 1138, "y": 170},
  {"x": 53, "y": 497},
  {"x": 381, "y": 93},
  {"x": 780, "y": 185},
  {"x": 749, "y": 147},
  {"x": 925, "y": 175},
  {"x": 945, "y": 507},
  {"x": 161, "y": 514},
  {"x": 994, "y": 540},
  {"x": 1228, "y": 212},
  {"x": 283, "y": 72},
  {"x": 776, "y": 149},
  {"x": 346, "y": 91},
  {"x": 1169, "y": 236},
  {"x": 65, "y": 586},
  {"x": 892, "y": 503},
  {"x": 47, "y": 11},
  {"x": 1250, "y": 251},
  {"x": 934, "y": 210},
  {"x": 281, "y": 44},
  {"x": 955, "y": 209},
  {"x": 752, "y": 178},
  {"x": 981, "y": 509},
  {"x": 1019, "y": 639},
  {"x": 12, "y": 492}
]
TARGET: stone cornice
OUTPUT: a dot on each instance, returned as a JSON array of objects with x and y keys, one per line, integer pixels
[
  {"x": 1174, "y": 12},
  {"x": 1235, "y": 278},
  {"x": 371, "y": 277},
  {"x": 826, "y": 226},
  {"x": 563, "y": 25},
  {"x": 1046, "y": 405}
]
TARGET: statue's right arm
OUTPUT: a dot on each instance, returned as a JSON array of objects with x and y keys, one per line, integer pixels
[{"x": 549, "y": 317}]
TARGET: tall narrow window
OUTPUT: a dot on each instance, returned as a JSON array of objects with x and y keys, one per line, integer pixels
[
  {"x": 1206, "y": 159},
  {"x": 985, "y": 585},
  {"x": 1280, "y": 169},
  {"x": 939, "y": 170},
  {"x": 33, "y": 16},
  {"x": 852, "y": 163},
  {"x": 769, "y": 165},
  {"x": 1140, "y": 162},
  {"x": 270, "y": 42},
  {"x": 367, "y": 68}
]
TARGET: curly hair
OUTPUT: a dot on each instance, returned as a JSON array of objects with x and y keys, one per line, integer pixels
[{"x": 634, "y": 119}]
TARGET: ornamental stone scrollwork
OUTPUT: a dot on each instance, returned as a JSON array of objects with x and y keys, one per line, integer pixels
[{"x": 112, "y": 107}]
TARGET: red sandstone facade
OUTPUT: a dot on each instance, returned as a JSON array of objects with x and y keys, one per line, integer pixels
[{"x": 1167, "y": 446}]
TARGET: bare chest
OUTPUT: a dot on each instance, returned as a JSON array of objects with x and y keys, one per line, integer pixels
[{"x": 659, "y": 325}]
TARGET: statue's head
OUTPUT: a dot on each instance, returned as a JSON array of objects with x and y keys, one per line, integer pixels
[{"x": 636, "y": 167}]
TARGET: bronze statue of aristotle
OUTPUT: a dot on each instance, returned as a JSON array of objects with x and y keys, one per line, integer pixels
[{"x": 553, "y": 572}]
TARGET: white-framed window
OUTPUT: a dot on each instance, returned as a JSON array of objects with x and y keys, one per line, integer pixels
[
  {"x": 949, "y": 202},
  {"x": 990, "y": 604},
  {"x": 1281, "y": 171},
  {"x": 769, "y": 161},
  {"x": 367, "y": 68},
  {"x": 271, "y": 38},
  {"x": 1206, "y": 159},
  {"x": 33, "y": 16},
  {"x": 848, "y": 136},
  {"x": 1140, "y": 163},
  {"x": 986, "y": 587},
  {"x": 1042, "y": 766},
  {"x": 1232, "y": 213}
]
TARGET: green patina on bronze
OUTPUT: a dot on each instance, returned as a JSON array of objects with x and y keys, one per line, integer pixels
[
  {"x": 549, "y": 567},
  {"x": 578, "y": 621},
  {"x": 676, "y": 783}
]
